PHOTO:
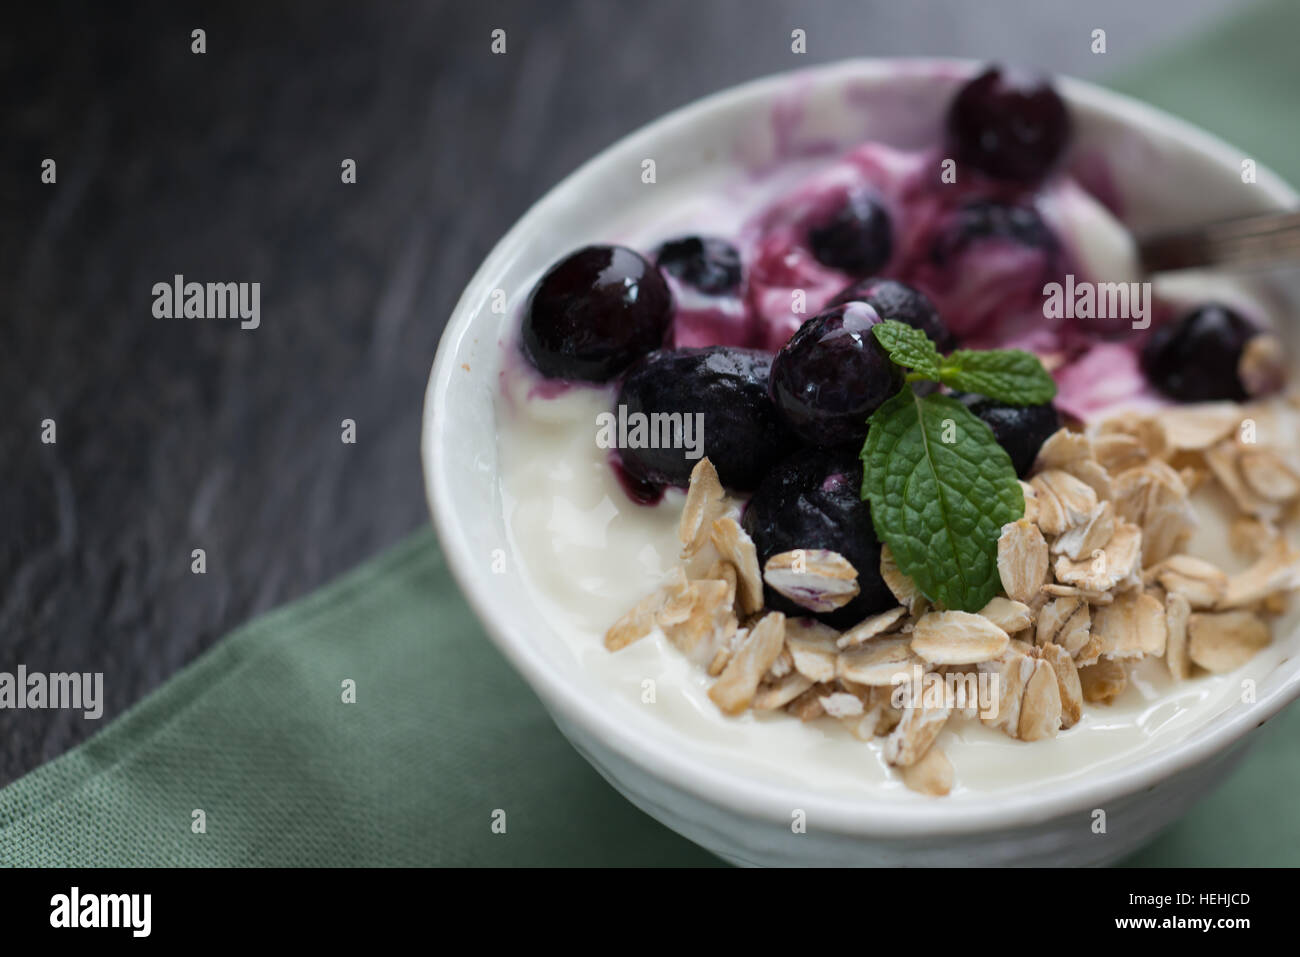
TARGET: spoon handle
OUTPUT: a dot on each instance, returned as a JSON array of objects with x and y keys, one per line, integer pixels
[{"x": 1247, "y": 240}]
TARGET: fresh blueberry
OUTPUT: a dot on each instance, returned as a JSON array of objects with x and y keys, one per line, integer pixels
[
  {"x": 1020, "y": 429},
  {"x": 899, "y": 301},
  {"x": 813, "y": 500},
  {"x": 832, "y": 374},
  {"x": 857, "y": 238},
  {"x": 742, "y": 434},
  {"x": 1197, "y": 358},
  {"x": 594, "y": 313},
  {"x": 1008, "y": 126},
  {"x": 710, "y": 265},
  {"x": 985, "y": 219}
]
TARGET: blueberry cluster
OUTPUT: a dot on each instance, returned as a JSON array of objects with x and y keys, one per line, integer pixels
[{"x": 788, "y": 426}]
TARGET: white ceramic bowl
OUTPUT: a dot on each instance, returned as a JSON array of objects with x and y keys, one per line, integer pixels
[{"x": 1166, "y": 172}]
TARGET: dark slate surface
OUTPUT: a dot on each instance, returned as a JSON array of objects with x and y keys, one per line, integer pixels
[{"x": 175, "y": 435}]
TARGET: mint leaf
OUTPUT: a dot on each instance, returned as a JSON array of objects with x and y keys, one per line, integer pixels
[
  {"x": 940, "y": 488},
  {"x": 908, "y": 346},
  {"x": 1006, "y": 375}
]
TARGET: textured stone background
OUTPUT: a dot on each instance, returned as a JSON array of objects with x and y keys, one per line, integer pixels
[{"x": 225, "y": 167}]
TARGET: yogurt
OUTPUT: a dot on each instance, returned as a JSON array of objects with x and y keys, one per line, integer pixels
[{"x": 589, "y": 552}]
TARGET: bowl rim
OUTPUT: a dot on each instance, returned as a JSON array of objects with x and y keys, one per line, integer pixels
[{"x": 731, "y": 789}]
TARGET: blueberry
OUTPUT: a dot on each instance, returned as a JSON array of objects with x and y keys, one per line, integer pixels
[
  {"x": 1198, "y": 357},
  {"x": 813, "y": 500},
  {"x": 899, "y": 301},
  {"x": 985, "y": 219},
  {"x": 832, "y": 374},
  {"x": 742, "y": 435},
  {"x": 594, "y": 313},
  {"x": 856, "y": 238},
  {"x": 1020, "y": 429},
  {"x": 638, "y": 490},
  {"x": 710, "y": 265},
  {"x": 1008, "y": 126}
]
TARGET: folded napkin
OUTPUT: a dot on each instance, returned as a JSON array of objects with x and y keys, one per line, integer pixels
[{"x": 442, "y": 736}]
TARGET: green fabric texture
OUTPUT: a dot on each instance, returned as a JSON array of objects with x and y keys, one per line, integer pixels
[{"x": 256, "y": 734}]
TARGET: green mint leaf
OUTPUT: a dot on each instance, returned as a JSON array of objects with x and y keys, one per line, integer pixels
[
  {"x": 940, "y": 489},
  {"x": 1006, "y": 375},
  {"x": 909, "y": 347}
]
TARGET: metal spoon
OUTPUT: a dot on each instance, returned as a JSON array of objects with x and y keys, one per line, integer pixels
[{"x": 1250, "y": 240}]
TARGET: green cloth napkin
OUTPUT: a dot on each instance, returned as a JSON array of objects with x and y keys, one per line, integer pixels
[
  {"x": 442, "y": 735},
  {"x": 256, "y": 734}
]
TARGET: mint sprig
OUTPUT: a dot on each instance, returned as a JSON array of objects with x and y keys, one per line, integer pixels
[
  {"x": 941, "y": 488},
  {"x": 1007, "y": 375},
  {"x": 909, "y": 347},
  {"x": 939, "y": 484}
]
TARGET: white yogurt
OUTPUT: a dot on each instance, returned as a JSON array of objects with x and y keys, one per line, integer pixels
[{"x": 589, "y": 554}]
